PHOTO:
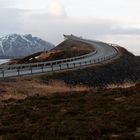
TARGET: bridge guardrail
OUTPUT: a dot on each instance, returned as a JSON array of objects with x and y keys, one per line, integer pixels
[
  {"x": 29, "y": 69},
  {"x": 53, "y": 68},
  {"x": 21, "y": 66}
]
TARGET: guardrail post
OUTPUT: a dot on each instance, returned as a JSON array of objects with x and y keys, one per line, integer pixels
[
  {"x": 3, "y": 73},
  {"x": 74, "y": 65},
  {"x": 60, "y": 66},
  {"x": 31, "y": 70},
  {"x": 67, "y": 65},
  {"x": 42, "y": 68},
  {"x": 52, "y": 66},
  {"x": 90, "y": 61},
  {"x": 18, "y": 72}
]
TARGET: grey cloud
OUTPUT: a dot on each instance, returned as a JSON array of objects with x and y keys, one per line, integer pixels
[
  {"x": 43, "y": 16},
  {"x": 53, "y": 27},
  {"x": 9, "y": 21},
  {"x": 7, "y": 3},
  {"x": 125, "y": 31}
]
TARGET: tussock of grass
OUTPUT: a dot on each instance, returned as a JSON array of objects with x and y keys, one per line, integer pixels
[
  {"x": 27, "y": 87},
  {"x": 125, "y": 84}
]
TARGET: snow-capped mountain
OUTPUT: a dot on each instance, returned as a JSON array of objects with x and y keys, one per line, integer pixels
[{"x": 15, "y": 45}]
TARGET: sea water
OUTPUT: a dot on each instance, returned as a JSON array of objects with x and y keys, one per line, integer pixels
[{"x": 4, "y": 61}]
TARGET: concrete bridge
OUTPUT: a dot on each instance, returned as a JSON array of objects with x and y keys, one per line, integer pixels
[{"x": 103, "y": 52}]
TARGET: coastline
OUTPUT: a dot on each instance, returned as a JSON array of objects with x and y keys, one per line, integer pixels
[{"x": 4, "y": 61}]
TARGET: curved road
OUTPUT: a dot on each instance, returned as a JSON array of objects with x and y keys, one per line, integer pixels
[
  {"x": 103, "y": 52},
  {"x": 103, "y": 49}
]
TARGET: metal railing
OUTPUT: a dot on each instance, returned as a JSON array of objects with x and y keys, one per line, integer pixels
[
  {"x": 50, "y": 68},
  {"x": 21, "y": 66}
]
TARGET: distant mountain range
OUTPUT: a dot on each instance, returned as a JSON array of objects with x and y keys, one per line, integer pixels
[{"x": 16, "y": 46}]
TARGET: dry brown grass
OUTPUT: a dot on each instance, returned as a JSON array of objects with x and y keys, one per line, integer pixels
[
  {"x": 26, "y": 87},
  {"x": 126, "y": 84},
  {"x": 60, "y": 86},
  {"x": 45, "y": 56}
]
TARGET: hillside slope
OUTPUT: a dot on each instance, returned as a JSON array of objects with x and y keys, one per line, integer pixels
[
  {"x": 126, "y": 68},
  {"x": 66, "y": 49}
]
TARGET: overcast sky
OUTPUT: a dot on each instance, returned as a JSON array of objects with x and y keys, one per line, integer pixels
[{"x": 116, "y": 21}]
